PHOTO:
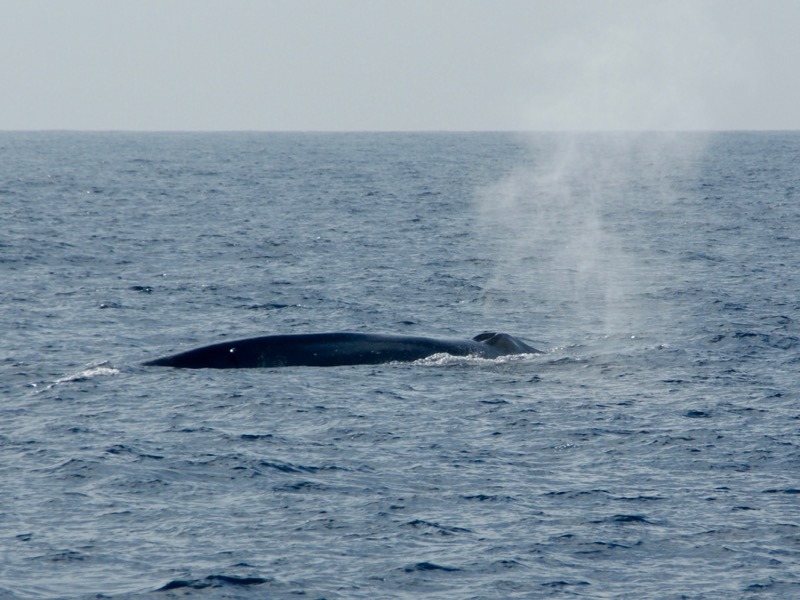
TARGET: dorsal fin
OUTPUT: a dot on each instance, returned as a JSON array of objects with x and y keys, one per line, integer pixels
[
  {"x": 505, "y": 344},
  {"x": 483, "y": 336}
]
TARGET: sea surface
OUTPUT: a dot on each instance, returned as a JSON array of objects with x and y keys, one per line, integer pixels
[{"x": 653, "y": 451}]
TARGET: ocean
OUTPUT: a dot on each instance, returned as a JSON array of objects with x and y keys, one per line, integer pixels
[{"x": 652, "y": 451}]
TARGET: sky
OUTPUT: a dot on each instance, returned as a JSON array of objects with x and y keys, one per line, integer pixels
[{"x": 399, "y": 65}]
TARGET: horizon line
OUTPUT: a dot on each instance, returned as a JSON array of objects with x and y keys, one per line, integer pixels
[{"x": 398, "y": 131}]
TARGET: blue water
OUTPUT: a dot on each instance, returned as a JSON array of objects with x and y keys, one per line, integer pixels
[{"x": 652, "y": 452}]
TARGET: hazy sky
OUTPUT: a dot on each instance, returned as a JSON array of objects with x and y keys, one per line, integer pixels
[{"x": 399, "y": 64}]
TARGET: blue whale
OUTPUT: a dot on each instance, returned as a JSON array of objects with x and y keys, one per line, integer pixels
[{"x": 337, "y": 349}]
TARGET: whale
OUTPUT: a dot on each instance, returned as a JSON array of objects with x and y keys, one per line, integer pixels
[{"x": 337, "y": 349}]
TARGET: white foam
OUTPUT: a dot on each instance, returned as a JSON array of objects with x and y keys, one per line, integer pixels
[
  {"x": 444, "y": 359},
  {"x": 89, "y": 373}
]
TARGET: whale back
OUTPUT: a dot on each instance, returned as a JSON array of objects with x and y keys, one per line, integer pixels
[
  {"x": 502, "y": 343},
  {"x": 216, "y": 356},
  {"x": 337, "y": 349}
]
